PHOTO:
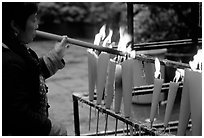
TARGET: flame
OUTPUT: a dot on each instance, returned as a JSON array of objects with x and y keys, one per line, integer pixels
[
  {"x": 178, "y": 74},
  {"x": 107, "y": 41},
  {"x": 196, "y": 64},
  {"x": 124, "y": 39},
  {"x": 100, "y": 36},
  {"x": 157, "y": 72}
]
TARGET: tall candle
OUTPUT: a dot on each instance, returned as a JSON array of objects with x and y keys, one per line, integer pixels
[
  {"x": 173, "y": 87},
  {"x": 127, "y": 84},
  {"x": 155, "y": 97},
  {"x": 195, "y": 91},
  {"x": 118, "y": 88},
  {"x": 102, "y": 66},
  {"x": 110, "y": 82},
  {"x": 92, "y": 73},
  {"x": 156, "y": 91},
  {"x": 184, "y": 113}
]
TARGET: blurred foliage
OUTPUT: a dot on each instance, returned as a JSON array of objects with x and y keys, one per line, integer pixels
[
  {"x": 164, "y": 21},
  {"x": 152, "y": 21},
  {"x": 89, "y": 12}
]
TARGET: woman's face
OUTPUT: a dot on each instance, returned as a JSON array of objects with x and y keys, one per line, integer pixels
[{"x": 27, "y": 35}]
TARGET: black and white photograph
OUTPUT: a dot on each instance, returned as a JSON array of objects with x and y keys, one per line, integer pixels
[{"x": 101, "y": 68}]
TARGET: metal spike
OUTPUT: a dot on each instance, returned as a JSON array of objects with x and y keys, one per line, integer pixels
[
  {"x": 90, "y": 118},
  {"x": 106, "y": 125},
  {"x": 97, "y": 123}
]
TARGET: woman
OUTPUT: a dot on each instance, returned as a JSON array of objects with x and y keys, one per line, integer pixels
[{"x": 24, "y": 100}]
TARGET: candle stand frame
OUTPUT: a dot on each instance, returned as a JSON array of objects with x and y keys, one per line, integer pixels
[{"x": 138, "y": 127}]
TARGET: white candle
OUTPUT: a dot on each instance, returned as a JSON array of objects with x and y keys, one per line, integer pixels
[
  {"x": 109, "y": 85},
  {"x": 92, "y": 73},
  {"x": 195, "y": 91},
  {"x": 155, "y": 97},
  {"x": 102, "y": 66},
  {"x": 118, "y": 88},
  {"x": 184, "y": 113},
  {"x": 173, "y": 87},
  {"x": 156, "y": 91},
  {"x": 127, "y": 83}
]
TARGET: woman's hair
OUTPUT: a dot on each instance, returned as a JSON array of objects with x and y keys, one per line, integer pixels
[{"x": 18, "y": 12}]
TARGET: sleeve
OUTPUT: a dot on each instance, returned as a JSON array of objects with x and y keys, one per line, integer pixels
[
  {"x": 18, "y": 102},
  {"x": 53, "y": 62}
]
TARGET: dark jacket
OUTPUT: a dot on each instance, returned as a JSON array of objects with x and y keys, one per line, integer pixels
[{"x": 24, "y": 100}]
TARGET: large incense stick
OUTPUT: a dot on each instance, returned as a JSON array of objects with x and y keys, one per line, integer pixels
[
  {"x": 102, "y": 67},
  {"x": 78, "y": 43},
  {"x": 184, "y": 113},
  {"x": 195, "y": 94},
  {"x": 110, "y": 84},
  {"x": 127, "y": 83},
  {"x": 173, "y": 88},
  {"x": 92, "y": 72},
  {"x": 155, "y": 98},
  {"x": 109, "y": 87}
]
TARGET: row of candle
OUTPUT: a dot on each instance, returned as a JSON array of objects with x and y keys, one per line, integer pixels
[
  {"x": 191, "y": 99},
  {"x": 106, "y": 76},
  {"x": 104, "y": 73}
]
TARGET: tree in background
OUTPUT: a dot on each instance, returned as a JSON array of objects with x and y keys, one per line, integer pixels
[{"x": 152, "y": 21}]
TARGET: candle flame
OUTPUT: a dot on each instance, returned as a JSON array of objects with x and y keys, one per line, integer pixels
[
  {"x": 123, "y": 46},
  {"x": 100, "y": 36},
  {"x": 107, "y": 41},
  {"x": 196, "y": 64},
  {"x": 178, "y": 74},
  {"x": 157, "y": 73},
  {"x": 124, "y": 39}
]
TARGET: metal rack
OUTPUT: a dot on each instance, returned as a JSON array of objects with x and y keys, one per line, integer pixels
[{"x": 137, "y": 126}]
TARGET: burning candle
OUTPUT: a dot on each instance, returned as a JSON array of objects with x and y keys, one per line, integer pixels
[
  {"x": 109, "y": 85},
  {"x": 184, "y": 113},
  {"x": 191, "y": 101},
  {"x": 195, "y": 93},
  {"x": 102, "y": 66},
  {"x": 127, "y": 84},
  {"x": 173, "y": 87},
  {"x": 156, "y": 91},
  {"x": 92, "y": 73},
  {"x": 118, "y": 88}
]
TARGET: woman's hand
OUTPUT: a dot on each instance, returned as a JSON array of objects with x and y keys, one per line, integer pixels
[{"x": 60, "y": 47}]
